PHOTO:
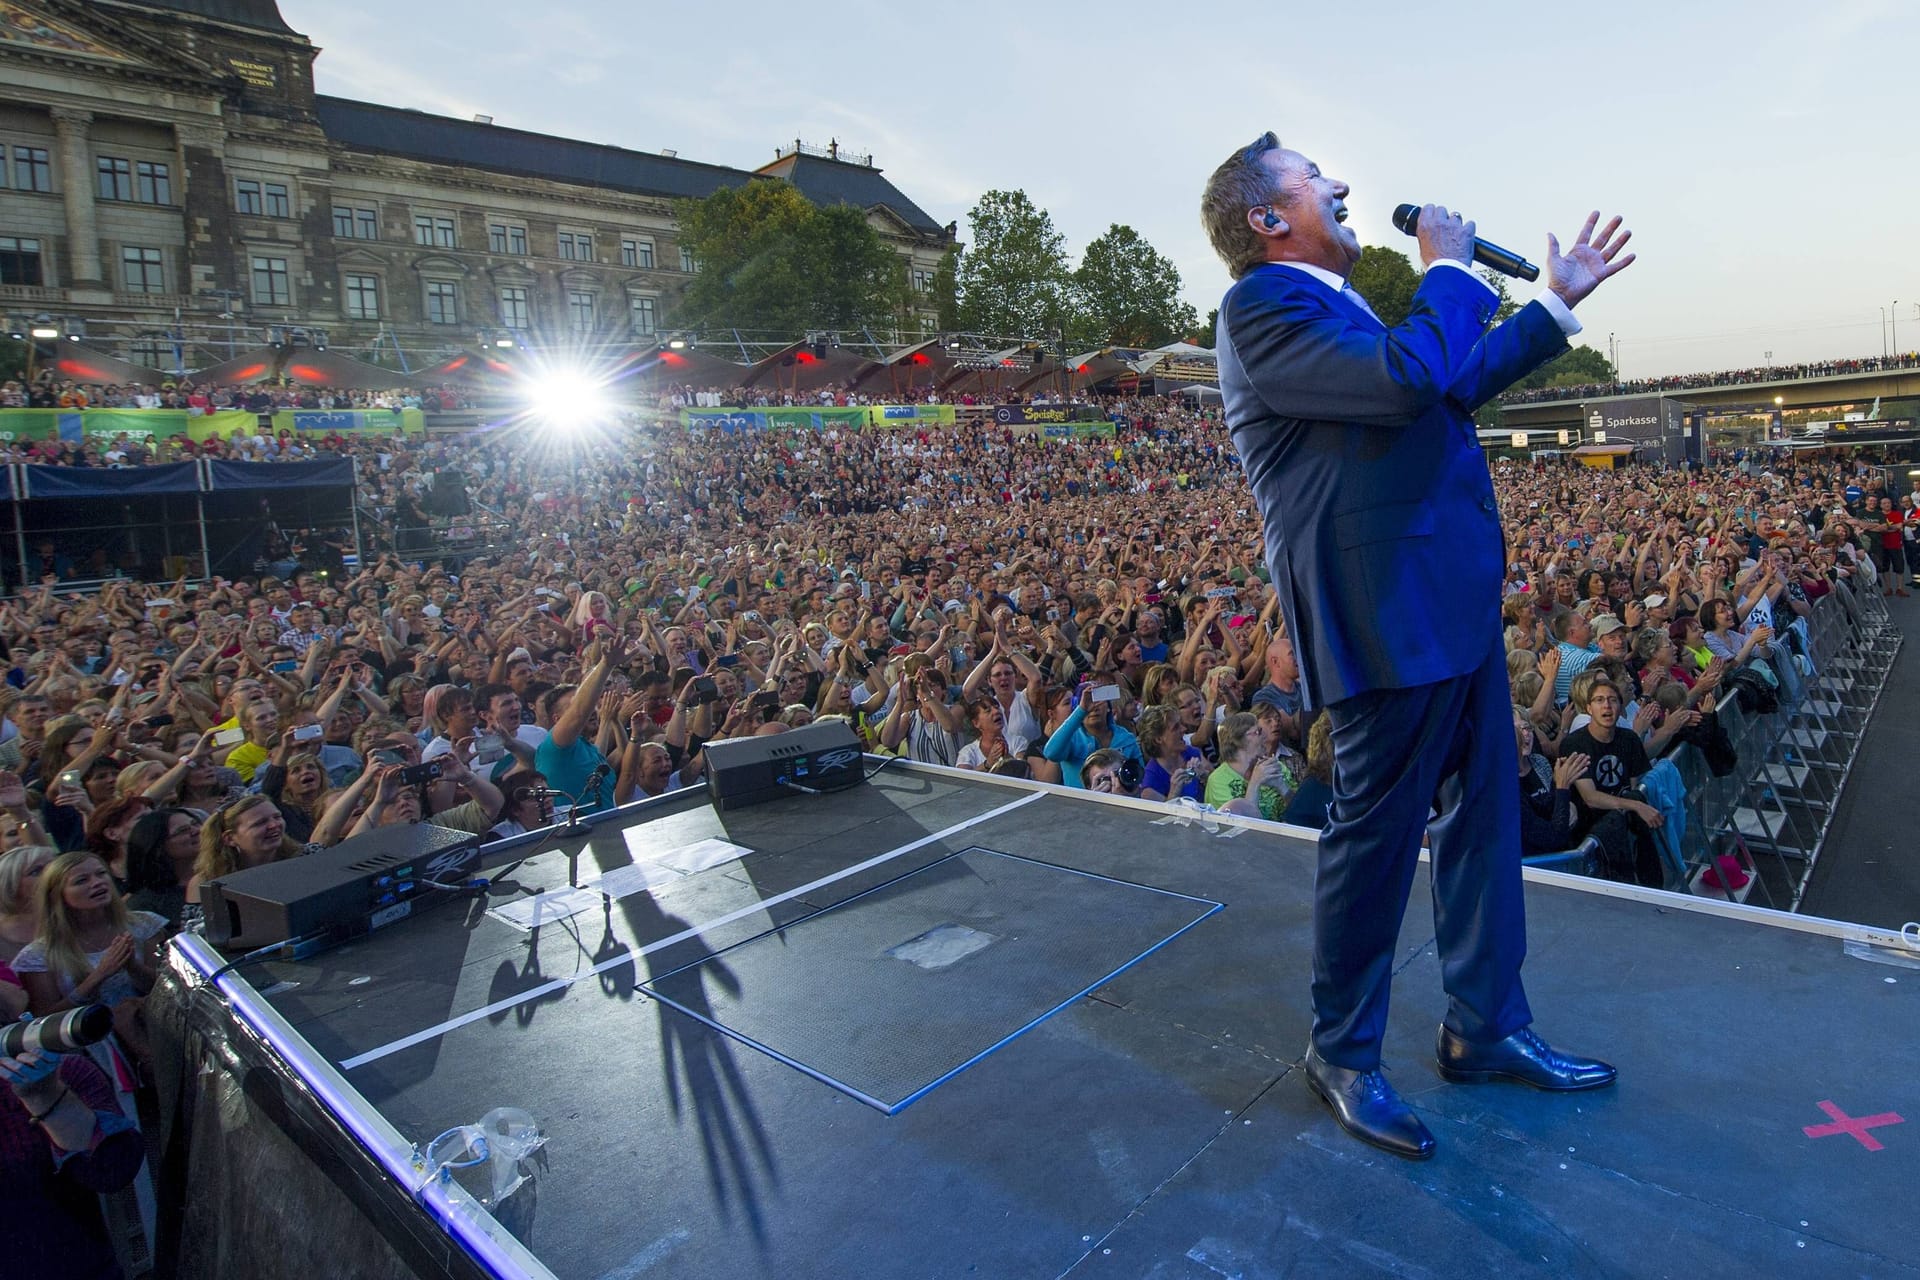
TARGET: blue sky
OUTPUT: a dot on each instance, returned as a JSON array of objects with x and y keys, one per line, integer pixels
[{"x": 1762, "y": 152}]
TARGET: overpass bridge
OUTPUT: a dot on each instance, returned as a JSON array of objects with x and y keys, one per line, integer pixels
[{"x": 1849, "y": 391}]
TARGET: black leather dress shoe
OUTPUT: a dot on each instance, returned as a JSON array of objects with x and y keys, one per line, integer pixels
[
  {"x": 1522, "y": 1056},
  {"x": 1367, "y": 1107}
]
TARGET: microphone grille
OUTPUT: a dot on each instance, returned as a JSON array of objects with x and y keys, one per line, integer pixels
[{"x": 1407, "y": 218}]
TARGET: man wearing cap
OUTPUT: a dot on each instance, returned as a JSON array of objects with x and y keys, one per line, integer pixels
[{"x": 1610, "y": 635}]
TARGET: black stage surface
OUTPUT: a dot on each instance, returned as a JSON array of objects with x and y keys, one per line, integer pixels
[{"x": 1155, "y": 1125}]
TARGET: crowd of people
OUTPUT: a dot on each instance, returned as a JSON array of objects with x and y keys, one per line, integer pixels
[
  {"x": 1721, "y": 378},
  {"x": 49, "y": 392},
  {"x": 1093, "y": 612},
  {"x": 845, "y": 395}
]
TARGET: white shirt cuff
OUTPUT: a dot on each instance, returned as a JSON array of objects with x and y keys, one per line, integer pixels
[{"x": 1560, "y": 312}]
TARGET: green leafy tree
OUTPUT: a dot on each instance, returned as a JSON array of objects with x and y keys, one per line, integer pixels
[
  {"x": 771, "y": 260},
  {"x": 1498, "y": 283},
  {"x": 946, "y": 291},
  {"x": 1209, "y": 335},
  {"x": 1387, "y": 280},
  {"x": 1013, "y": 280},
  {"x": 13, "y": 359},
  {"x": 1127, "y": 294},
  {"x": 1576, "y": 366}
]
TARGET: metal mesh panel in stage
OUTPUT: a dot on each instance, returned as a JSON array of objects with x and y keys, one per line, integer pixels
[{"x": 890, "y": 993}]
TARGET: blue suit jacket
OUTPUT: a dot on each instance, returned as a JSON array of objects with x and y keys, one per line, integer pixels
[{"x": 1382, "y": 533}]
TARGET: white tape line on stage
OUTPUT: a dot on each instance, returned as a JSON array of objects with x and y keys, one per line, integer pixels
[{"x": 628, "y": 957}]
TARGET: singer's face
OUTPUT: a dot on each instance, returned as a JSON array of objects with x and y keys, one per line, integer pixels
[{"x": 1315, "y": 209}]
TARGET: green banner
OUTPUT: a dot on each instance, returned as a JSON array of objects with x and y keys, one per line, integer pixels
[
  {"x": 759, "y": 419},
  {"x": 222, "y": 423},
  {"x": 908, "y": 415},
  {"x": 94, "y": 424},
  {"x": 350, "y": 422},
  {"x": 99, "y": 425},
  {"x": 797, "y": 416}
]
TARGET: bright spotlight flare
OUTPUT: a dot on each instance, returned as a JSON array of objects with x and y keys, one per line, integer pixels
[{"x": 568, "y": 399}]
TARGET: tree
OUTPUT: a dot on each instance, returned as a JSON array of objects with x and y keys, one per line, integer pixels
[
  {"x": 1013, "y": 281},
  {"x": 1387, "y": 280},
  {"x": 1209, "y": 336},
  {"x": 771, "y": 260},
  {"x": 1498, "y": 283},
  {"x": 1574, "y": 367},
  {"x": 1127, "y": 294},
  {"x": 946, "y": 291},
  {"x": 13, "y": 359}
]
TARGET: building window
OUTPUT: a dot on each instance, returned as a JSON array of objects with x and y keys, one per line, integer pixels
[
  {"x": 687, "y": 263},
  {"x": 278, "y": 205},
  {"x": 272, "y": 285},
  {"x": 20, "y": 262},
  {"x": 143, "y": 269},
  {"x": 152, "y": 351},
  {"x": 576, "y": 246},
  {"x": 351, "y": 222},
  {"x": 432, "y": 231},
  {"x": 116, "y": 178},
  {"x": 643, "y": 318},
  {"x": 246, "y": 196},
  {"x": 31, "y": 170},
  {"x": 637, "y": 253},
  {"x": 922, "y": 281},
  {"x": 443, "y": 302},
  {"x": 363, "y": 297},
  {"x": 502, "y": 238},
  {"x": 580, "y": 311},
  {"x": 153, "y": 182},
  {"x": 496, "y": 238},
  {"x": 515, "y": 310}
]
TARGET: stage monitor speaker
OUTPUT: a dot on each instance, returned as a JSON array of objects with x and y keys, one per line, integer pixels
[
  {"x": 820, "y": 757},
  {"x": 359, "y": 884},
  {"x": 447, "y": 496}
]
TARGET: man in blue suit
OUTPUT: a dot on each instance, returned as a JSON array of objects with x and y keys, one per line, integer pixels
[{"x": 1385, "y": 545}]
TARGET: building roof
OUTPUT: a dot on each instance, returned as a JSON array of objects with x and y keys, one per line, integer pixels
[
  {"x": 367, "y": 126},
  {"x": 261, "y": 14},
  {"x": 832, "y": 182}
]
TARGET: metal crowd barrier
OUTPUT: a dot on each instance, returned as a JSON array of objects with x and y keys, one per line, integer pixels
[{"x": 1793, "y": 763}]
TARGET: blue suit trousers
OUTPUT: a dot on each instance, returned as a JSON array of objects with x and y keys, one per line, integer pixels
[{"x": 1438, "y": 759}]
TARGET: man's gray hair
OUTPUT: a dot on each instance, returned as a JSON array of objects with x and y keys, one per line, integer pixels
[{"x": 1242, "y": 182}]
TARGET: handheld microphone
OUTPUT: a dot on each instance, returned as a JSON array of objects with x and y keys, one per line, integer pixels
[{"x": 1487, "y": 254}]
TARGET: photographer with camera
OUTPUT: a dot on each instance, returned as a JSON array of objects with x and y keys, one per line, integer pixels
[
  {"x": 1111, "y": 773},
  {"x": 63, "y": 1142}
]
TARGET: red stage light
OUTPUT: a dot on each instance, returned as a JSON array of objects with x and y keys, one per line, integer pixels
[
  {"x": 306, "y": 371},
  {"x": 805, "y": 357},
  {"x": 457, "y": 364},
  {"x": 1081, "y": 369},
  {"x": 672, "y": 359},
  {"x": 919, "y": 357},
  {"x": 251, "y": 371}
]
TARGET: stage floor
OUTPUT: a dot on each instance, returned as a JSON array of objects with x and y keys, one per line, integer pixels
[{"x": 1156, "y": 1125}]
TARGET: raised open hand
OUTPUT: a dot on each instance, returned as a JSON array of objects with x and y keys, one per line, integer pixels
[{"x": 1588, "y": 261}]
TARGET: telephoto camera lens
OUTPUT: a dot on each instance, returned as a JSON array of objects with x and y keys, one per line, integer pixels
[{"x": 68, "y": 1032}]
